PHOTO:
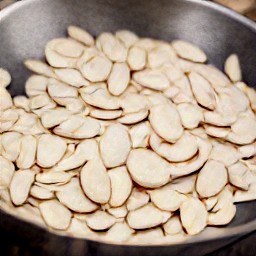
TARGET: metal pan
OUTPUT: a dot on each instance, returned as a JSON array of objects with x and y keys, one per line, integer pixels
[{"x": 25, "y": 28}]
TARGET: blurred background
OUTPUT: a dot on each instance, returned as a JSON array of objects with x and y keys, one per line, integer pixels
[
  {"x": 246, "y": 7},
  {"x": 244, "y": 247}
]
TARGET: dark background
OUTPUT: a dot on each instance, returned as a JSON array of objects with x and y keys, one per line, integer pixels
[{"x": 9, "y": 246}]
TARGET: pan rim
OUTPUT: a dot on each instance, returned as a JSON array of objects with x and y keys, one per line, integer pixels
[
  {"x": 227, "y": 232},
  {"x": 220, "y": 8},
  {"x": 224, "y": 233}
]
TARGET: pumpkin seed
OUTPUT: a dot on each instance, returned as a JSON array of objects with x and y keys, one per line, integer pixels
[
  {"x": 55, "y": 214},
  {"x": 193, "y": 215},
  {"x": 117, "y": 139},
  {"x": 5, "y": 78},
  {"x": 232, "y": 68},
  {"x": 95, "y": 181},
  {"x": 147, "y": 168},
  {"x": 20, "y": 186}
]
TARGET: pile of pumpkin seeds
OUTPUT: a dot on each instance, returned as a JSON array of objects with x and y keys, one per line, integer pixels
[{"x": 127, "y": 140}]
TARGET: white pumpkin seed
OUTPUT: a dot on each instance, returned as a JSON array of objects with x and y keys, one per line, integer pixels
[
  {"x": 97, "y": 69},
  {"x": 193, "y": 215},
  {"x": 41, "y": 193},
  {"x": 166, "y": 122},
  {"x": 80, "y": 35},
  {"x": 55, "y": 214},
  {"x": 39, "y": 67},
  {"x": 58, "y": 89},
  {"x": 57, "y": 60},
  {"x": 36, "y": 85},
  {"x": 95, "y": 181},
  {"x": 119, "y": 194},
  {"x": 189, "y": 51},
  {"x": 6, "y": 99},
  {"x": 54, "y": 117},
  {"x": 119, "y": 232},
  {"x": 238, "y": 175},
  {"x": 50, "y": 149},
  {"x": 136, "y": 219},
  {"x": 6, "y": 172},
  {"x": 100, "y": 220},
  {"x": 153, "y": 79},
  {"x": 72, "y": 196},
  {"x": 202, "y": 90},
  {"x": 115, "y": 145},
  {"x": 54, "y": 177},
  {"x": 66, "y": 47},
  {"x": 20, "y": 186},
  {"x": 119, "y": 78},
  {"x": 28, "y": 147},
  {"x": 5, "y": 78},
  {"x": 212, "y": 170},
  {"x": 247, "y": 150},
  {"x": 167, "y": 199},
  {"x": 137, "y": 58},
  {"x": 71, "y": 77},
  {"x": 147, "y": 168},
  {"x": 232, "y": 68}
]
